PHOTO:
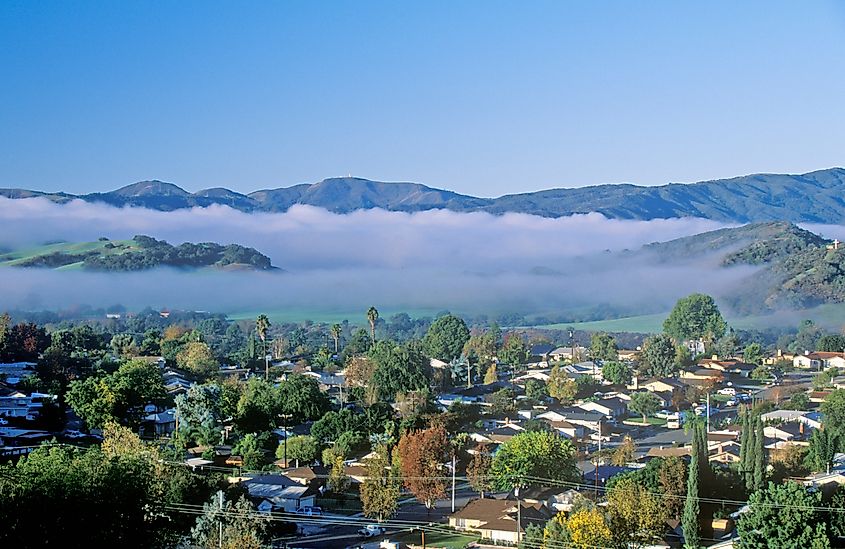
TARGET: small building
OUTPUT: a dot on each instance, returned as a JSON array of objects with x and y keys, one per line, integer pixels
[
  {"x": 496, "y": 519},
  {"x": 282, "y": 492}
]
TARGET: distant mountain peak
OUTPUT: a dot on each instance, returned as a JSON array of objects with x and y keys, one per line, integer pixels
[{"x": 150, "y": 188}]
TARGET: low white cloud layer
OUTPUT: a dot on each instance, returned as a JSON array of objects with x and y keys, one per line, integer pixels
[{"x": 473, "y": 262}]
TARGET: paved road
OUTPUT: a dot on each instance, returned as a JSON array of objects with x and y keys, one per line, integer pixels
[{"x": 341, "y": 536}]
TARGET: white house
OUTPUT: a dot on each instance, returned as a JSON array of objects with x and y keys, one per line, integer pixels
[
  {"x": 819, "y": 360},
  {"x": 283, "y": 493}
]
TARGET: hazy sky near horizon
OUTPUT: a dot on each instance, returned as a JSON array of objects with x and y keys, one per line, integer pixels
[{"x": 484, "y": 98}]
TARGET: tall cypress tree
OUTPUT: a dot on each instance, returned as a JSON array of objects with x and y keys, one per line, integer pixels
[
  {"x": 759, "y": 480},
  {"x": 689, "y": 520},
  {"x": 746, "y": 460}
]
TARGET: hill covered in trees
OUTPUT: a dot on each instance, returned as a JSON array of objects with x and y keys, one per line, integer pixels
[
  {"x": 813, "y": 197},
  {"x": 795, "y": 267},
  {"x": 140, "y": 253}
]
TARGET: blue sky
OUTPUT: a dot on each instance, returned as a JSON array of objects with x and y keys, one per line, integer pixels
[{"x": 484, "y": 98}]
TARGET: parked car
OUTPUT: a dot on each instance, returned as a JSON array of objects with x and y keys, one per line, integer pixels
[
  {"x": 727, "y": 391},
  {"x": 371, "y": 530},
  {"x": 731, "y": 402},
  {"x": 700, "y": 410},
  {"x": 665, "y": 414},
  {"x": 309, "y": 511},
  {"x": 744, "y": 397}
]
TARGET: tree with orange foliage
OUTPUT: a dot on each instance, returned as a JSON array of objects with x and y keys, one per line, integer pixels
[{"x": 422, "y": 454}]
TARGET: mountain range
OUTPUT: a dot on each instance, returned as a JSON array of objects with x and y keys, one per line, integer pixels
[{"x": 814, "y": 197}]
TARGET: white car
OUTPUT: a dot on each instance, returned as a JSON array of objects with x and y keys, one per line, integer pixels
[
  {"x": 729, "y": 391},
  {"x": 371, "y": 530}
]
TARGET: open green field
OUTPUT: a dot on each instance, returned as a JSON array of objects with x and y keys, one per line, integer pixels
[{"x": 831, "y": 316}]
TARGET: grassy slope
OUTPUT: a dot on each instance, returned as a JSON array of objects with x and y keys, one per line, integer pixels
[{"x": 19, "y": 256}]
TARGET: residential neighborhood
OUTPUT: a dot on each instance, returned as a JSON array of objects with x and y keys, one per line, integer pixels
[{"x": 469, "y": 437}]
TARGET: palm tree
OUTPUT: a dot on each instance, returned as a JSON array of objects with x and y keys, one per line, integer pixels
[
  {"x": 372, "y": 316},
  {"x": 336, "y": 330},
  {"x": 262, "y": 324}
]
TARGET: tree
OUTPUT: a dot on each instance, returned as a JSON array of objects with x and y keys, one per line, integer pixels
[
  {"x": 657, "y": 358},
  {"x": 624, "y": 453},
  {"x": 831, "y": 343},
  {"x": 478, "y": 471},
  {"x": 197, "y": 358},
  {"x": 257, "y": 407},
  {"x": 833, "y": 411},
  {"x": 617, "y": 373},
  {"x": 636, "y": 516},
  {"x": 514, "y": 353},
  {"x": 338, "y": 481},
  {"x": 301, "y": 397},
  {"x": 199, "y": 414},
  {"x": 372, "y": 317},
  {"x": 753, "y": 353},
  {"x": 120, "y": 396},
  {"x": 491, "y": 376},
  {"x": 422, "y": 454},
  {"x": 644, "y": 403},
  {"x": 262, "y": 325},
  {"x": 690, "y": 518},
  {"x": 380, "y": 490},
  {"x": 302, "y": 448},
  {"x": 588, "y": 528},
  {"x": 759, "y": 478},
  {"x": 784, "y": 515},
  {"x": 242, "y": 526},
  {"x": 124, "y": 345},
  {"x": 672, "y": 477},
  {"x": 603, "y": 347},
  {"x": 336, "y": 331},
  {"x": 530, "y": 456},
  {"x": 695, "y": 317},
  {"x": 249, "y": 447},
  {"x": 536, "y": 390},
  {"x": 823, "y": 446},
  {"x": 561, "y": 386},
  {"x": 446, "y": 338},
  {"x": 399, "y": 369}
]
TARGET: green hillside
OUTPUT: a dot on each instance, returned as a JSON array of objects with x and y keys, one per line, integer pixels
[{"x": 140, "y": 253}]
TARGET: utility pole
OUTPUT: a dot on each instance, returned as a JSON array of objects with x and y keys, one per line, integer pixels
[
  {"x": 708, "y": 412},
  {"x": 518, "y": 517},
  {"x": 453, "y": 482},
  {"x": 469, "y": 374},
  {"x": 423, "y": 537}
]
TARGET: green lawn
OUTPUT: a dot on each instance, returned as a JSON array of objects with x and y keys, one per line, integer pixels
[{"x": 437, "y": 539}]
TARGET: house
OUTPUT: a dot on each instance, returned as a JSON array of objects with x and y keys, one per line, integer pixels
[
  {"x": 659, "y": 385},
  {"x": 576, "y": 416},
  {"x": 568, "y": 353},
  {"x": 725, "y": 452},
  {"x": 14, "y": 403},
  {"x": 505, "y": 432},
  {"x": 588, "y": 368},
  {"x": 702, "y": 374},
  {"x": 161, "y": 423},
  {"x": 603, "y": 473},
  {"x": 793, "y": 431},
  {"x": 811, "y": 419},
  {"x": 612, "y": 408},
  {"x": 282, "y": 492},
  {"x": 496, "y": 519},
  {"x": 819, "y": 360},
  {"x": 735, "y": 367},
  {"x": 307, "y": 475},
  {"x": 567, "y": 429},
  {"x": 628, "y": 355}
]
